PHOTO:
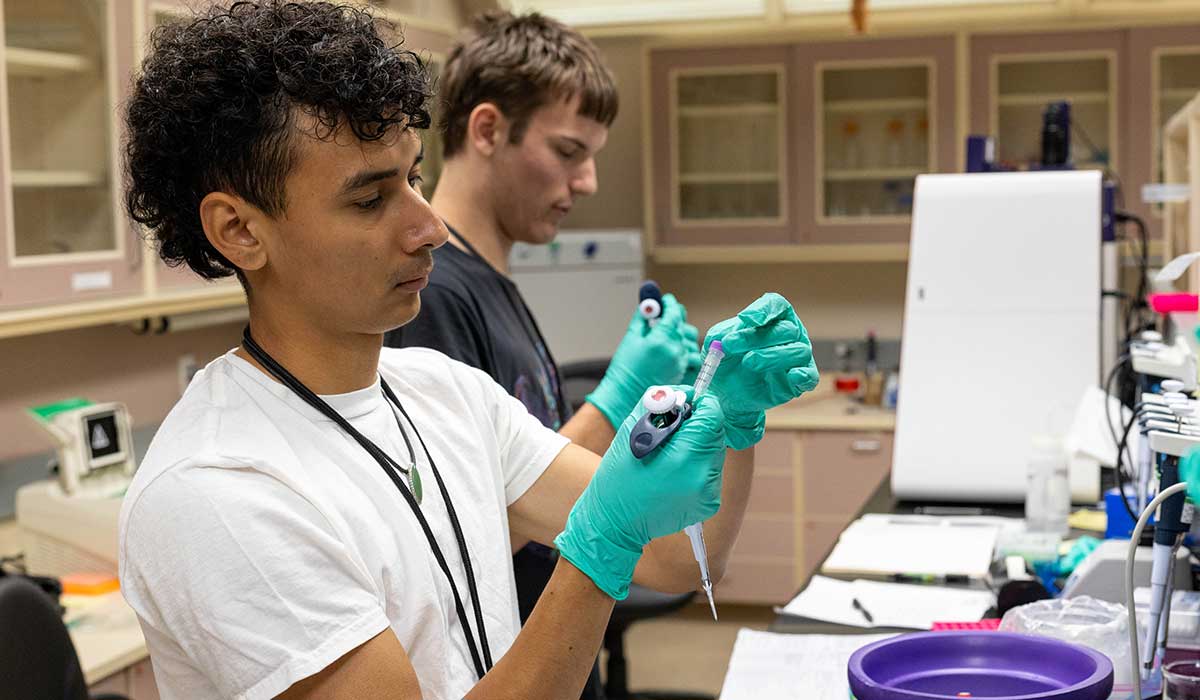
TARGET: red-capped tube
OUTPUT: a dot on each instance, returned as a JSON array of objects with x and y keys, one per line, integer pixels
[{"x": 1174, "y": 303}]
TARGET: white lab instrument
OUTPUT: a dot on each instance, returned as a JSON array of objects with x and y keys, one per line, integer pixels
[
  {"x": 69, "y": 525},
  {"x": 93, "y": 444},
  {"x": 63, "y": 534},
  {"x": 1017, "y": 332},
  {"x": 602, "y": 267},
  {"x": 1099, "y": 574}
]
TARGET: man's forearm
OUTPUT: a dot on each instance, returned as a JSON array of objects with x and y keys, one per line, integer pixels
[
  {"x": 553, "y": 655},
  {"x": 668, "y": 563},
  {"x": 589, "y": 429}
]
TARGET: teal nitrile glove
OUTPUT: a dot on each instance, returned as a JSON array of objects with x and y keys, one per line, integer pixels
[
  {"x": 1189, "y": 473},
  {"x": 630, "y": 501},
  {"x": 768, "y": 362},
  {"x": 647, "y": 356}
]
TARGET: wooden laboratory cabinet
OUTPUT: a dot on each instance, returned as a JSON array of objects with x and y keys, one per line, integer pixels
[
  {"x": 1014, "y": 76},
  {"x": 871, "y": 115},
  {"x": 814, "y": 143},
  {"x": 808, "y": 486},
  {"x": 65, "y": 236},
  {"x": 718, "y": 163},
  {"x": 1164, "y": 70}
]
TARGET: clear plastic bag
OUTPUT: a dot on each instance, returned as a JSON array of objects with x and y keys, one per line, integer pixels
[{"x": 1098, "y": 624}]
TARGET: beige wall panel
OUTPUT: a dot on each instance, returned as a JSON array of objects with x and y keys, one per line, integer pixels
[
  {"x": 835, "y": 300},
  {"x": 618, "y": 203},
  {"x": 107, "y": 363}
]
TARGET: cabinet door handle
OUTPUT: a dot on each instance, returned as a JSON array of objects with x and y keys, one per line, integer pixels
[{"x": 865, "y": 445}]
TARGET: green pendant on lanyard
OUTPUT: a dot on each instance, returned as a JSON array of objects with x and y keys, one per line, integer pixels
[{"x": 414, "y": 483}]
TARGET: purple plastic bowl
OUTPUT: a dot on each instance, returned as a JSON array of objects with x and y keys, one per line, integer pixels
[{"x": 942, "y": 665}]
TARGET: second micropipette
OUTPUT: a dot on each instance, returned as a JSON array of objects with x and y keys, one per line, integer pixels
[{"x": 694, "y": 532}]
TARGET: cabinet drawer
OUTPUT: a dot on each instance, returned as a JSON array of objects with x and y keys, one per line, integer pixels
[
  {"x": 819, "y": 538},
  {"x": 775, "y": 450},
  {"x": 771, "y": 494},
  {"x": 842, "y": 470},
  {"x": 756, "y": 582},
  {"x": 766, "y": 536}
]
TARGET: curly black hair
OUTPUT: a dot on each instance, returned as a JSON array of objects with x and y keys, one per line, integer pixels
[{"x": 214, "y": 109}]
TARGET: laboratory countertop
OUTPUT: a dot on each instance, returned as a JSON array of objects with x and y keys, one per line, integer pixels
[
  {"x": 825, "y": 409},
  {"x": 107, "y": 637},
  {"x": 106, "y": 633}
]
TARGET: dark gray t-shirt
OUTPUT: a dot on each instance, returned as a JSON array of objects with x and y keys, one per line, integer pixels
[{"x": 476, "y": 315}]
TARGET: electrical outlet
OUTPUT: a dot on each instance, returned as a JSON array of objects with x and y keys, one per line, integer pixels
[{"x": 187, "y": 369}]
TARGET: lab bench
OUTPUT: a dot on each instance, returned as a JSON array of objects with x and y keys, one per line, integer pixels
[
  {"x": 108, "y": 640},
  {"x": 822, "y": 458},
  {"x": 881, "y": 500}
]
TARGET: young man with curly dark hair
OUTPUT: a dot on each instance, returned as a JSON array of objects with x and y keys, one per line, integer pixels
[{"x": 319, "y": 517}]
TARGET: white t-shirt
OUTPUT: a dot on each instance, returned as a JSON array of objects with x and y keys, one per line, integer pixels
[{"x": 259, "y": 543}]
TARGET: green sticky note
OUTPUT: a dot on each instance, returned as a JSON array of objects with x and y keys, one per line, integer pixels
[{"x": 47, "y": 411}]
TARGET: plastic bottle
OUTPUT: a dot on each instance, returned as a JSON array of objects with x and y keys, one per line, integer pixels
[
  {"x": 895, "y": 143},
  {"x": 851, "y": 148},
  {"x": 1048, "y": 490},
  {"x": 920, "y": 155}
]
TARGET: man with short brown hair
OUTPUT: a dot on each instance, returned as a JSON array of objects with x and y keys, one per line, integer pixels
[{"x": 526, "y": 104}]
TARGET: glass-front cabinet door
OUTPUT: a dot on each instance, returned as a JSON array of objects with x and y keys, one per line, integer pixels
[
  {"x": 1164, "y": 64},
  {"x": 728, "y": 132},
  {"x": 1024, "y": 86},
  {"x": 875, "y": 115},
  {"x": 1015, "y": 76},
  {"x": 875, "y": 139},
  {"x": 718, "y": 159},
  {"x": 66, "y": 238}
]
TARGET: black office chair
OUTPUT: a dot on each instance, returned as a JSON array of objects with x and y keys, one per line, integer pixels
[
  {"x": 37, "y": 658},
  {"x": 579, "y": 378}
]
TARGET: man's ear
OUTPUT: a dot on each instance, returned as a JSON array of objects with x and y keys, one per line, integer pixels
[
  {"x": 487, "y": 128},
  {"x": 230, "y": 224}
]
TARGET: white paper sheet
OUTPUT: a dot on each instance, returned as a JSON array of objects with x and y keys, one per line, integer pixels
[
  {"x": 880, "y": 546},
  {"x": 768, "y": 666},
  {"x": 906, "y": 606}
]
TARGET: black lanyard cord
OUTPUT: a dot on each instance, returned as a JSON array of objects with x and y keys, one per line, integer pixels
[
  {"x": 454, "y": 523},
  {"x": 391, "y": 468}
]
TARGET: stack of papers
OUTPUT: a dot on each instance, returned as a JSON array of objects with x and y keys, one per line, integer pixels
[
  {"x": 887, "y": 544},
  {"x": 791, "y": 666},
  {"x": 888, "y": 604}
]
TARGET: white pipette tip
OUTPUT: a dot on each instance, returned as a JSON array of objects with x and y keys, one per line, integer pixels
[{"x": 711, "y": 605}]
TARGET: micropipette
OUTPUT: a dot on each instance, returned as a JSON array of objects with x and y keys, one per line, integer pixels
[{"x": 695, "y": 532}]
